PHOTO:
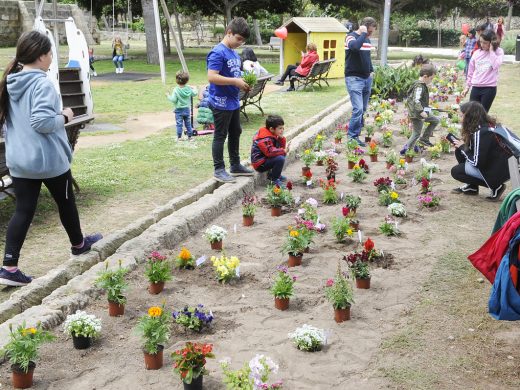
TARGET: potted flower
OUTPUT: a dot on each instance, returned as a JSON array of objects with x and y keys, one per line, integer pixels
[
  {"x": 308, "y": 338},
  {"x": 193, "y": 317},
  {"x": 22, "y": 351},
  {"x": 332, "y": 167},
  {"x": 276, "y": 198},
  {"x": 409, "y": 154},
  {"x": 370, "y": 129},
  {"x": 338, "y": 136},
  {"x": 387, "y": 138},
  {"x": 373, "y": 149},
  {"x": 82, "y": 327},
  {"x": 383, "y": 184},
  {"x": 308, "y": 157},
  {"x": 391, "y": 159},
  {"x": 154, "y": 328},
  {"x": 352, "y": 202},
  {"x": 353, "y": 156},
  {"x": 282, "y": 289},
  {"x": 341, "y": 228},
  {"x": 339, "y": 292},
  {"x": 320, "y": 157},
  {"x": 351, "y": 216},
  {"x": 113, "y": 282},
  {"x": 389, "y": 227},
  {"x": 429, "y": 200},
  {"x": 157, "y": 270},
  {"x": 226, "y": 268},
  {"x": 252, "y": 376},
  {"x": 388, "y": 197},
  {"x": 445, "y": 145},
  {"x": 215, "y": 235},
  {"x": 397, "y": 209},
  {"x": 330, "y": 196},
  {"x": 425, "y": 186},
  {"x": 318, "y": 143},
  {"x": 294, "y": 246},
  {"x": 189, "y": 362},
  {"x": 358, "y": 174},
  {"x": 361, "y": 273},
  {"x": 435, "y": 151},
  {"x": 248, "y": 210},
  {"x": 185, "y": 259}
]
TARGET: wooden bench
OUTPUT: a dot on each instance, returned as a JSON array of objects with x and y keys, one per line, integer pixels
[
  {"x": 318, "y": 73},
  {"x": 5, "y": 180},
  {"x": 274, "y": 43},
  {"x": 254, "y": 96}
]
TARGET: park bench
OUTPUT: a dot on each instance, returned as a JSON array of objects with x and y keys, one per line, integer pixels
[
  {"x": 274, "y": 43},
  {"x": 254, "y": 96},
  {"x": 317, "y": 74}
]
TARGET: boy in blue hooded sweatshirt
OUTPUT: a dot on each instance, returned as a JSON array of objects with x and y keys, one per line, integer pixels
[
  {"x": 181, "y": 98},
  {"x": 37, "y": 150}
]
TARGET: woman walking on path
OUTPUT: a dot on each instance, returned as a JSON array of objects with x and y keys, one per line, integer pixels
[
  {"x": 37, "y": 150},
  {"x": 500, "y": 29},
  {"x": 483, "y": 70}
]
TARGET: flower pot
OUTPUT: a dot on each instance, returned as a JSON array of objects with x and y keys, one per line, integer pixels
[
  {"x": 351, "y": 164},
  {"x": 216, "y": 246},
  {"x": 154, "y": 361},
  {"x": 305, "y": 170},
  {"x": 354, "y": 225},
  {"x": 319, "y": 163},
  {"x": 373, "y": 157},
  {"x": 337, "y": 140},
  {"x": 408, "y": 159},
  {"x": 295, "y": 261},
  {"x": 276, "y": 211},
  {"x": 248, "y": 220},
  {"x": 81, "y": 342},
  {"x": 20, "y": 378},
  {"x": 155, "y": 288},
  {"x": 115, "y": 309},
  {"x": 389, "y": 165},
  {"x": 196, "y": 384},
  {"x": 363, "y": 283},
  {"x": 281, "y": 303},
  {"x": 368, "y": 138},
  {"x": 341, "y": 315}
]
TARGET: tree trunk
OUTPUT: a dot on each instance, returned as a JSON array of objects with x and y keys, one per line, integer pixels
[
  {"x": 166, "y": 33},
  {"x": 178, "y": 24},
  {"x": 509, "y": 16},
  {"x": 152, "y": 50},
  {"x": 256, "y": 28},
  {"x": 381, "y": 10},
  {"x": 227, "y": 12}
]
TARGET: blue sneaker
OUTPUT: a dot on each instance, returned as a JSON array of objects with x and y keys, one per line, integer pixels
[
  {"x": 17, "y": 278},
  {"x": 360, "y": 143},
  {"x": 240, "y": 170},
  {"x": 222, "y": 176},
  {"x": 283, "y": 178},
  {"x": 88, "y": 241}
]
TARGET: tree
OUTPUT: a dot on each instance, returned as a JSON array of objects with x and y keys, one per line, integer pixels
[{"x": 152, "y": 49}]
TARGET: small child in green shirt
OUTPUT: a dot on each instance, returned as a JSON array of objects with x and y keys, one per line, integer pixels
[{"x": 181, "y": 98}]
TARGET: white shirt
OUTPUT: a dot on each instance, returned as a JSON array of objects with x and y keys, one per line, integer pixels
[{"x": 255, "y": 67}]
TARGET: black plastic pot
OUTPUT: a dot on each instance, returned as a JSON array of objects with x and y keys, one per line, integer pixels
[{"x": 81, "y": 342}]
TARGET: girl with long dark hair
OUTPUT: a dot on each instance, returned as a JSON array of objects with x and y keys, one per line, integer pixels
[{"x": 37, "y": 150}]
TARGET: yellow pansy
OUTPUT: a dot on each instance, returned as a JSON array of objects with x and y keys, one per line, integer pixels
[
  {"x": 294, "y": 233},
  {"x": 350, "y": 232},
  {"x": 356, "y": 166},
  {"x": 394, "y": 195},
  {"x": 401, "y": 161},
  {"x": 307, "y": 151}
]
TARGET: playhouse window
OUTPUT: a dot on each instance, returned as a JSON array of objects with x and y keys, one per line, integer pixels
[{"x": 328, "y": 46}]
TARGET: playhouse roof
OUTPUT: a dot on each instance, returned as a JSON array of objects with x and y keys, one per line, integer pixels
[{"x": 316, "y": 25}]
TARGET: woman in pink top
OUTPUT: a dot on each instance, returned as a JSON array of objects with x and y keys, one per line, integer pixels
[{"x": 483, "y": 70}]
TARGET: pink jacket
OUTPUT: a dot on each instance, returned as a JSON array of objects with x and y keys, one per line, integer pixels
[{"x": 483, "y": 68}]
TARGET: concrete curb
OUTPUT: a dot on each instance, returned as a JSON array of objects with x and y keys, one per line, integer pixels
[{"x": 70, "y": 287}]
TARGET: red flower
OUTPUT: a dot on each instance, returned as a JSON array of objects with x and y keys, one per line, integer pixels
[
  {"x": 362, "y": 163},
  {"x": 369, "y": 245},
  {"x": 345, "y": 211},
  {"x": 308, "y": 174},
  {"x": 289, "y": 185},
  {"x": 425, "y": 182},
  {"x": 330, "y": 282}
]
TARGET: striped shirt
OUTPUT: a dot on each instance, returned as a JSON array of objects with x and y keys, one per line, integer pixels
[{"x": 357, "y": 55}]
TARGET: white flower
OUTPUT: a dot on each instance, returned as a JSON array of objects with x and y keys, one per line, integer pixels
[
  {"x": 261, "y": 366},
  {"x": 82, "y": 324},
  {"x": 397, "y": 209},
  {"x": 308, "y": 338},
  {"x": 215, "y": 233},
  {"x": 312, "y": 202},
  {"x": 431, "y": 166}
]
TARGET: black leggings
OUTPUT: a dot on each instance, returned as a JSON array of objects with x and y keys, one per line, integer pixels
[
  {"x": 289, "y": 72},
  {"x": 483, "y": 95},
  {"x": 27, "y": 192},
  {"x": 458, "y": 172}
]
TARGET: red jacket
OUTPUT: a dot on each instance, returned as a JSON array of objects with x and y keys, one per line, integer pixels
[
  {"x": 266, "y": 145},
  {"x": 308, "y": 60}
]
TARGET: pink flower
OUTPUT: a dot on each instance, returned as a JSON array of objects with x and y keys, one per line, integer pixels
[{"x": 330, "y": 282}]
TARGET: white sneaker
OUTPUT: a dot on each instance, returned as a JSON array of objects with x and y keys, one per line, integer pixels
[
  {"x": 117, "y": 70},
  {"x": 95, "y": 74},
  {"x": 122, "y": 70}
]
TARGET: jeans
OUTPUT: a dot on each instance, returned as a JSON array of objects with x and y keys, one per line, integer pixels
[
  {"x": 27, "y": 192},
  {"x": 183, "y": 115},
  {"x": 227, "y": 125},
  {"x": 118, "y": 61},
  {"x": 483, "y": 95},
  {"x": 467, "y": 66},
  {"x": 273, "y": 164},
  {"x": 359, "y": 90},
  {"x": 432, "y": 121}
]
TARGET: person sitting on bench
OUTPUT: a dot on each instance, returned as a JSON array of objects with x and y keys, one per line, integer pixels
[{"x": 302, "y": 70}]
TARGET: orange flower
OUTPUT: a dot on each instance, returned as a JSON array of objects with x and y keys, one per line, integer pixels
[
  {"x": 276, "y": 190},
  {"x": 372, "y": 145},
  {"x": 294, "y": 233},
  {"x": 184, "y": 254},
  {"x": 369, "y": 245},
  {"x": 154, "y": 311}
]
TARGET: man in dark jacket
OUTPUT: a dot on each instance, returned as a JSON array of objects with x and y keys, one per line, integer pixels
[{"x": 358, "y": 74}]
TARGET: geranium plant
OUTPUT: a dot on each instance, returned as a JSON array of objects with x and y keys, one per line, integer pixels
[
  {"x": 339, "y": 291},
  {"x": 158, "y": 268},
  {"x": 360, "y": 269},
  {"x": 283, "y": 284},
  {"x": 308, "y": 338},
  {"x": 190, "y": 361},
  {"x": 113, "y": 282},
  {"x": 249, "y": 206},
  {"x": 215, "y": 233},
  {"x": 430, "y": 199},
  {"x": 308, "y": 157},
  {"x": 23, "y": 345},
  {"x": 185, "y": 259},
  {"x": 226, "y": 268},
  {"x": 321, "y": 156},
  {"x": 81, "y": 324},
  {"x": 154, "y": 328},
  {"x": 295, "y": 243},
  {"x": 330, "y": 195},
  {"x": 252, "y": 376},
  {"x": 193, "y": 317}
]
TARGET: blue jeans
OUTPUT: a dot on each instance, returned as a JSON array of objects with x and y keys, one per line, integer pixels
[
  {"x": 274, "y": 165},
  {"x": 183, "y": 116},
  {"x": 359, "y": 90},
  {"x": 118, "y": 61}
]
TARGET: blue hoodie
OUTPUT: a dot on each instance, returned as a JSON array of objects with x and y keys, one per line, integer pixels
[{"x": 36, "y": 142}]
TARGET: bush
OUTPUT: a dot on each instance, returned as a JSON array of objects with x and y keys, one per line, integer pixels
[
  {"x": 138, "y": 26},
  {"x": 508, "y": 44},
  {"x": 393, "y": 83},
  {"x": 428, "y": 37}
]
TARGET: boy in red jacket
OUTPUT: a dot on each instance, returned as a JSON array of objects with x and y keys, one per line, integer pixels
[{"x": 269, "y": 149}]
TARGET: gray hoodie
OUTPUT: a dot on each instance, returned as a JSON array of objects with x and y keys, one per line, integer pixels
[{"x": 36, "y": 143}]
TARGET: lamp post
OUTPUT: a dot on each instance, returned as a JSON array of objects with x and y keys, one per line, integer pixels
[{"x": 386, "y": 29}]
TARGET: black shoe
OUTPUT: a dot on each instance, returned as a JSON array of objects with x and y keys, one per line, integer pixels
[
  {"x": 466, "y": 190},
  {"x": 290, "y": 89},
  {"x": 279, "y": 82},
  {"x": 17, "y": 278},
  {"x": 88, "y": 241},
  {"x": 425, "y": 143},
  {"x": 240, "y": 170},
  {"x": 497, "y": 193}
]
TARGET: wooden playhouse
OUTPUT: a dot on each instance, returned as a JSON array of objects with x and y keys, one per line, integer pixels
[{"x": 327, "y": 33}]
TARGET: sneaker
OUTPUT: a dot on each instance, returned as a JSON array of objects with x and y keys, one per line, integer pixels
[
  {"x": 403, "y": 151},
  {"x": 17, "y": 278},
  {"x": 466, "y": 190},
  {"x": 191, "y": 139},
  {"x": 290, "y": 89},
  {"x": 95, "y": 74},
  {"x": 497, "y": 193},
  {"x": 283, "y": 178},
  {"x": 240, "y": 170},
  {"x": 360, "y": 143},
  {"x": 88, "y": 241},
  {"x": 222, "y": 176},
  {"x": 122, "y": 70},
  {"x": 279, "y": 82},
  {"x": 425, "y": 143}
]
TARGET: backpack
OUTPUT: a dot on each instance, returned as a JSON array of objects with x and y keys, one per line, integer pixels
[{"x": 511, "y": 140}]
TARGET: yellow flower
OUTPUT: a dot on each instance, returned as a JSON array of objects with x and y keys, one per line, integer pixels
[
  {"x": 349, "y": 232},
  {"x": 394, "y": 195},
  {"x": 319, "y": 137},
  {"x": 294, "y": 233},
  {"x": 401, "y": 161},
  {"x": 307, "y": 151},
  {"x": 184, "y": 254},
  {"x": 276, "y": 190},
  {"x": 356, "y": 166},
  {"x": 154, "y": 311}
]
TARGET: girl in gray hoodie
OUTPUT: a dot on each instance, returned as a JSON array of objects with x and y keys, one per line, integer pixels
[{"x": 37, "y": 150}]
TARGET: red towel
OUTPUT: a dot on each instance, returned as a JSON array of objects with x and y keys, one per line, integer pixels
[{"x": 488, "y": 257}]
